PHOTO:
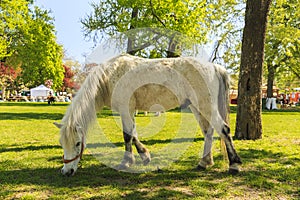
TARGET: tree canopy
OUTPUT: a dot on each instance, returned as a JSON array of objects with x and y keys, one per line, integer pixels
[
  {"x": 29, "y": 42},
  {"x": 190, "y": 18},
  {"x": 283, "y": 43}
]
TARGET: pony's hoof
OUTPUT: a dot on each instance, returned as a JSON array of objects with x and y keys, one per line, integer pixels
[
  {"x": 201, "y": 168},
  {"x": 233, "y": 171},
  {"x": 159, "y": 170},
  {"x": 146, "y": 161},
  {"x": 122, "y": 167},
  {"x": 146, "y": 157}
]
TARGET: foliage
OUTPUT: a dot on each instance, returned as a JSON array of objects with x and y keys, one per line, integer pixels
[
  {"x": 193, "y": 19},
  {"x": 281, "y": 46},
  {"x": 76, "y": 70},
  {"x": 31, "y": 159},
  {"x": 283, "y": 42},
  {"x": 30, "y": 42},
  {"x": 227, "y": 29}
]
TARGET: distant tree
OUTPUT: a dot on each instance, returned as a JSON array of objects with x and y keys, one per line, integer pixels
[
  {"x": 13, "y": 17},
  {"x": 75, "y": 71},
  {"x": 8, "y": 75},
  {"x": 248, "y": 123},
  {"x": 30, "y": 42},
  {"x": 282, "y": 55},
  {"x": 40, "y": 56},
  {"x": 68, "y": 82}
]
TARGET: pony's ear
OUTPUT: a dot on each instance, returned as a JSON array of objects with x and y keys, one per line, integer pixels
[{"x": 57, "y": 125}]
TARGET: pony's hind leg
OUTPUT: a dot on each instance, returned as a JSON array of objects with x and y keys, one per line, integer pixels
[
  {"x": 207, "y": 158},
  {"x": 224, "y": 131},
  {"x": 234, "y": 159},
  {"x": 208, "y": 131}
]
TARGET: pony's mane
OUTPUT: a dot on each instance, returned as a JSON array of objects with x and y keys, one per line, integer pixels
[{"x": 82, "y": 111}]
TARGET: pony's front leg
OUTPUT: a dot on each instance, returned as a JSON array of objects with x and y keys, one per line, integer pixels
[
  {"x": 128, "y": 158},
  {"x": 128, "y": 135},
  {"x": 143, "y": 152}
]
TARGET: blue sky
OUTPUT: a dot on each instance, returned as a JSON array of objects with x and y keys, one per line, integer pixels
[{"x": 67, "y": 14}]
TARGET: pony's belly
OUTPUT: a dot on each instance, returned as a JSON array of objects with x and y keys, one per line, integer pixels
[{"x": 155, "y": 98}]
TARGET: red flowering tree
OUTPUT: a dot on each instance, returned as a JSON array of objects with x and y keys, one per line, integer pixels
[
  {"x": 8, "y": 76},
  {"x": 68, "y": 81}
]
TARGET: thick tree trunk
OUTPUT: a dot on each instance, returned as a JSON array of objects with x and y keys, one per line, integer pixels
[{"x": 248, "y": 120}]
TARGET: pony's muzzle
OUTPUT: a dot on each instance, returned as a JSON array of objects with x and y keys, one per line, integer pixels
[{"x": 69, "y": 172}]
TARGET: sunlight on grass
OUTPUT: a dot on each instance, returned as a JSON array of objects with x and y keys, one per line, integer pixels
[{"x": 30, "y": 159}]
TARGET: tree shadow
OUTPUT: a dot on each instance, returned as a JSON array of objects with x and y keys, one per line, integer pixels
[
  {"x": 33, "y": 104},
  {"x": 148, "y": 142},
  {"x": 30, "y": 115},
  {"x": 161, "y": 184},
  {"x": 28, "y": 148},
  {"x": 98, "y": 176}
]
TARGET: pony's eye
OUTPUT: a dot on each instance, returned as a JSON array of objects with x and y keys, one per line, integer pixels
[{"x": 77, "y": 144}]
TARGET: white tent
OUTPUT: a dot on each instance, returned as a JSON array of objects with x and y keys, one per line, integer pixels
[{"x": 40, "y": 91}]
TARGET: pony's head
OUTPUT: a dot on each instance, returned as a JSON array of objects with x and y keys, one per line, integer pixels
[{"x": 73, "y": 143}]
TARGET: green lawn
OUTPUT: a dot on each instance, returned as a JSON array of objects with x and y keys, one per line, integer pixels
[{"x": 30, "y": 159}]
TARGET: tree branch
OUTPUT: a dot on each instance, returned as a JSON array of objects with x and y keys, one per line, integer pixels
[{"x": 154, "y": 14}]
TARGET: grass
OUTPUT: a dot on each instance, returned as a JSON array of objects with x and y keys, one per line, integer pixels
[{"x": 30, "y": 159}]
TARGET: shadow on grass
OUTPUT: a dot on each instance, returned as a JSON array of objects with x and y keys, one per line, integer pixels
[
  {"x": 148, "y": 142},
  {"x": 252, "y": 155},
  {"x": 30, "y": 148},
  {"x": 98, "y": 176},
  {"x": 162, "y": 185},
  {"x": 33, "y": 104},
  {"x": 30, "y": 115},
  {"x": 155, "y": 185}
]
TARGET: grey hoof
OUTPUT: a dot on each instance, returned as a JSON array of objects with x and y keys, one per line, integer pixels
[
  {"x": 122, "y": 167},
  {"x": 201, "y": 168},
  {"x": 146, "y": 161},
  {"x": 233, "y": 171}
]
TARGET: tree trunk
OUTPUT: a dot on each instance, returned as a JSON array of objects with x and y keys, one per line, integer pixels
[
  {"x": 271, "y": 77},
  {"x": 173, "y": 49},
  {"x": 248, "y": 120},
  {"x": 130, "y": 43},
  {"x": 3, "y": 96}
]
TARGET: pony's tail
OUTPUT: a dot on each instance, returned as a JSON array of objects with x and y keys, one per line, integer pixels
[{"x": 223, "y": 101}]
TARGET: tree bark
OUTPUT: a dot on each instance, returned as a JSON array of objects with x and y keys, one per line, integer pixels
[
  {"x": 271, "y": 77},
  {"x": 248, "y": 119},
  {"x": 130, "y": 43}
]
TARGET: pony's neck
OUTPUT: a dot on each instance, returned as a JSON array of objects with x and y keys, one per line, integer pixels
[{"x": 88, "y": 100}]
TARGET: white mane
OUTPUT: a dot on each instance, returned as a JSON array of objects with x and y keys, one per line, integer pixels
[{"x": 82, "y": 111}]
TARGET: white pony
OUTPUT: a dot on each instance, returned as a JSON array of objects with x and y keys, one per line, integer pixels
[{"x": 127, "y": 83}]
